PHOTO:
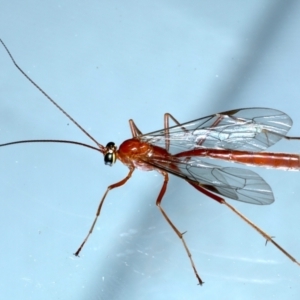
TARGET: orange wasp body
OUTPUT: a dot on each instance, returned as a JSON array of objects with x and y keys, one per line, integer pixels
[{"x": 183, "y": 150}]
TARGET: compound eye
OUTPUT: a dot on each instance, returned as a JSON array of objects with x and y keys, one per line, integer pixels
[
  {"x": 109, "y": 158},
  {"x": 110, "y": 146}
]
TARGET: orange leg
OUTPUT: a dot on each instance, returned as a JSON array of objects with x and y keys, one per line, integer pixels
[
  {"x": 113, "y": 186},
  {"x": 259, "y": 230},
  {"x": 134, "y": 130},
  {"x": 178, "y": 233},
  {"x": 168, "y": 116}
]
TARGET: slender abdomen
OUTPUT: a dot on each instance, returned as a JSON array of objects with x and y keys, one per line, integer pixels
[{"x": 285, "y": 161}]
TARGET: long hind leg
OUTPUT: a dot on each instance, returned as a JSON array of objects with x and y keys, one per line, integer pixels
[{"x": 266, "y": 236}]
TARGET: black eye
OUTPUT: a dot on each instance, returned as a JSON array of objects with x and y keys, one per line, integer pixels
[
  {"x": 110, "y": 145},
  {"x": 109, "y": 158}
]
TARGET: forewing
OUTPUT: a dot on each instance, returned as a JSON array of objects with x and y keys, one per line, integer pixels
[
  {"x": 234, "y": 183},
  {"x": 249, "y": 129}
]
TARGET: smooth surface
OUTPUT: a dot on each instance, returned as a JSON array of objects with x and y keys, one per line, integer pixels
[{"x": 106, "y": 62}]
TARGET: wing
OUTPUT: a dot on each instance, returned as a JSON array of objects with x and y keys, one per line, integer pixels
[
  {"x": 249, "y": 129},
  {"x": 234, "y": 183}
]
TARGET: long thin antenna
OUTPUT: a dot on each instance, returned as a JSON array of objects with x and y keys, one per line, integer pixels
[
  {"x": 51, "y": 141},
  {"x": 50, "y": 99}
]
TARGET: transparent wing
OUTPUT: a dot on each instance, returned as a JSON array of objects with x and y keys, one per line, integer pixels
[
  {"x": 234, "y": 183},
  {"x": 249, "y": 129}
]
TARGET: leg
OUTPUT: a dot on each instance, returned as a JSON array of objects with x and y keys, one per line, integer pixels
[
  {"x": 179, "y": 234},
  {"x": 260, "y": 231},
  {"x": 292, "y": 137},
  {"x": 116, "y": 185},
  {"x": 134, "y": 130},
  {"x": 168, "y": 116}
]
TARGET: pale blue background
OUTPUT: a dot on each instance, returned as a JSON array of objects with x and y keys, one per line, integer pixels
[{"x": 106, "y": 62}]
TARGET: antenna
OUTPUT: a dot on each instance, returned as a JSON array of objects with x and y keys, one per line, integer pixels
[
  {"x": 51, "y": 141},
  {"x": 101, "y": 148}
]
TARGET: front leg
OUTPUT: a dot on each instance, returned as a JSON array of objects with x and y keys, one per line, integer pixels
[{"x": 113, "y": 186}]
